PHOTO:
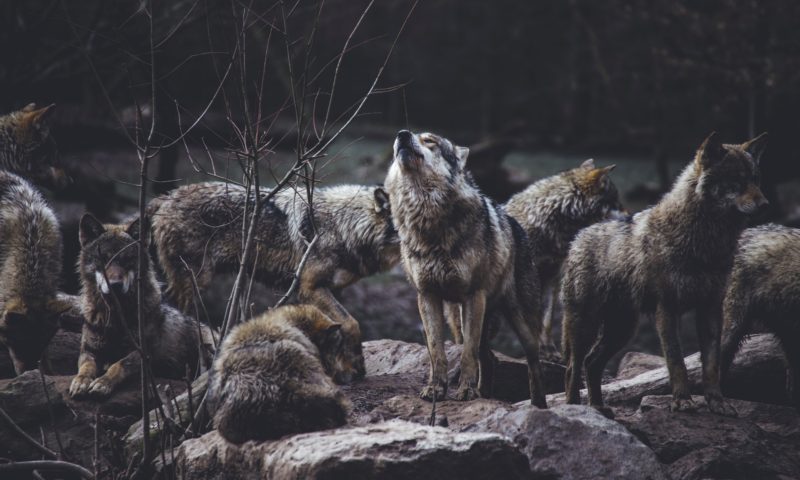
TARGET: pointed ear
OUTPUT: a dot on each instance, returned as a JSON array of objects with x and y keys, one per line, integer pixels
[
  {"x": 29, "y": 107},
  {"x": 381, "y": 200},
  {"x": 588, "y": 164},
  {"x": 596, "y": 176},
  {"x": 756, "y": 146},
  {"x": 134, "y": 229},
  {"x": 90, "y": 228},
  {"x": 711, "y": 151},
  {"x": 462, "y": 153},
  {"x": 37, "y": 118}
]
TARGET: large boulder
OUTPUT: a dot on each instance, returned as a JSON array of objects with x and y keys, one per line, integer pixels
[
  {"x": 573, "y": 442},
  {"x": 761, "y": 443},
  {"x": 391, "y": 450}
]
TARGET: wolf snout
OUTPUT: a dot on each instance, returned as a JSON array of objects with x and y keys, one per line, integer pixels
[
  {"x": 116, "y": 278},
  {"x": 404, "y": 137}
]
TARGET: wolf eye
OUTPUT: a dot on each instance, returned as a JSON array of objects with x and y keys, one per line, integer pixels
[{"x": 428, "y": 141}]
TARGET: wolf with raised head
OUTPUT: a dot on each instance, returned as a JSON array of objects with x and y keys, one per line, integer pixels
[
  {"x": 764, "y": 289},
  {"x": 272, "y": 376},
  {"x": 662, "y": 262},
  {"x": 460, "y": 249},
  {"x": 197, "y": 230},
  {"x": 109, "y": 296}
]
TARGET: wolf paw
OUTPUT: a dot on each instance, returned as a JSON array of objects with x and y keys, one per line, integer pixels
[
  {"x": 720, "y": 406},
  {"x": 79, "y": 386},
  {"x": 100, "y": 387},
  {"x": 605, "y": 411},
  {"x": 429, "y": 391},
  {"x": 683, "y": 405},
  {"x": 467, "y": 392}
]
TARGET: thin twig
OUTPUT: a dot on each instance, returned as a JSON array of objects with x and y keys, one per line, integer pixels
[
  {"x": 24, "y": 435},
  {"x": 57, "y": 465}
]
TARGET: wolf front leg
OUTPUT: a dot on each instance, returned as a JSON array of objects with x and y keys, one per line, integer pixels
[
  {"x": 474, "y": 310},
  {"x": 117, "y": 373},
  {"x": 431, "y": 310},
  {"x": 667, "y": 326},
  {"x": 709, "y": 333},
  {"x": 452, "y": 312}
]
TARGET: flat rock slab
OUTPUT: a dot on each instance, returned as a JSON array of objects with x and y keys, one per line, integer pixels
[
  {"x": 390, "y": 450},
  {"x": 762, "y": 442},
  {"x": 573, "y": 442},
  {"x": 454, "y": 414},
  {"x": 757, "y": 374},
  {"x": 635, "y": 363}
]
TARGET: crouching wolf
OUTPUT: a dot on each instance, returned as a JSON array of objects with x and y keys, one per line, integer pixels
[
  {"x": 663, "y": 261},
  {"x": 764, "y": 287},
  {"x": 552, "y": 211},
  {"x": 272, "y": 376},
  {"x": 459, "y": 248},
  {"x": 30, "y": 268},
  {"x": 199, "y": 227},
  {"x": 108, "y": 268}
]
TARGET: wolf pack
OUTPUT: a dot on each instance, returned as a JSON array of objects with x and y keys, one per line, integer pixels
[{"x": 565, "y": 243}]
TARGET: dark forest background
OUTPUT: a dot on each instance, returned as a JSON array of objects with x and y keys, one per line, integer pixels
[
  {"x": 635, "y": 79},
  {"x": 652, "y": 77}
]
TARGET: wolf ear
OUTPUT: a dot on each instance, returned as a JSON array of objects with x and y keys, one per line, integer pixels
[
  {"x": 134, "y": 229},
  {"x": 462, "y": 153},
  {"x": 588, "y": 164},
  {"x": 756, "y": 146},
  {"x": 381, "y": 200},
  {"x": 711, "y": 151},
  {"x": 33, "y": 117},
  {"x": 597, "y": 175},
  {"x": 90, "y": 228}
]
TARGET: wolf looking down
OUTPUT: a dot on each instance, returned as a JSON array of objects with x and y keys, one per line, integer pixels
[
  {"x": 458, "y": 247},
  {"x": 272, "y": 376}
]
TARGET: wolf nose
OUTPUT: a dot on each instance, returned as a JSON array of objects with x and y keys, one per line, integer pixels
[{"x": 404, "y": 136}]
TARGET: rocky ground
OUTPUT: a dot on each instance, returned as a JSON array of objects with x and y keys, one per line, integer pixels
[{"x": 388, "y": 434}]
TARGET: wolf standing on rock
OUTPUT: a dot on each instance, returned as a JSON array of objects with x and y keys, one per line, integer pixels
[
  {"x": 108, "y": 268},
  {"x": 459, "y": 248},
  {"x": 664, "y": 261},
  {"x": 201, "y": 225},
  {"x": 764, "y": 289}
]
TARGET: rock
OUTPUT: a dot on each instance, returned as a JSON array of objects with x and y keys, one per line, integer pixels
[
  {"x": 573, "y": 442},
  {"x": 390, "y": 450},
  {"x": 60, "y": 358},
  {"x": 393, "y": 357},
  {"x": 760, "y": 443},
  {"x": 372, "y": 391},
  {"x": 451, "y": 413},
  {"x": 635, "y": 363},
  {"x": 757, "y": 374}
]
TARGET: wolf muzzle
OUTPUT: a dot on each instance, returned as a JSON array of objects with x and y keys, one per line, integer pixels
[
  {"x": 116, "y": 279},
  {"x": 406, "y": 150}
]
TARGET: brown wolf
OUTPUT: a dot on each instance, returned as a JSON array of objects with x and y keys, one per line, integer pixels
[
  {"x": 201, "y": 225},
  {"x": 30, "y": 268},
  {"x": 272, "y": 376},
  {"x": 459, "y": 248},
  {"x": 552, "y": 211},
  {"x": 27, "y": 149},
  {"x": 663, "y": 261},
  {"x": 108, "y": 265},
  {"x": 764, "y": 288}
]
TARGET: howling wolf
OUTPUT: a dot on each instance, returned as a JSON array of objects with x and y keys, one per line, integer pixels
[{"x": 458, "y": 248}]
